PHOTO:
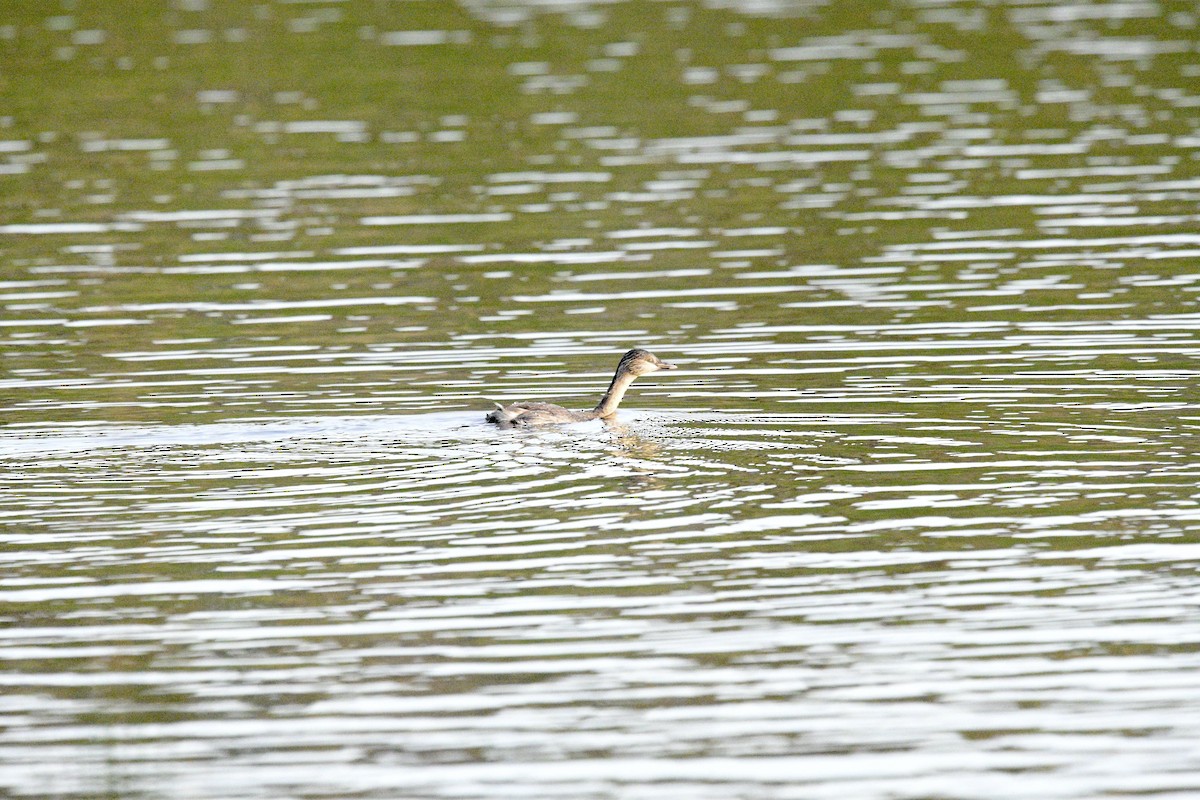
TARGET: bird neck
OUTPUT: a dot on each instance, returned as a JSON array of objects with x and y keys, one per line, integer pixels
[{"x": 616, "y": 390}]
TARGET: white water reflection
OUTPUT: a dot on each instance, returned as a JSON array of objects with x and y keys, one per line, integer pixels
[{"x": 427, "y": 586}]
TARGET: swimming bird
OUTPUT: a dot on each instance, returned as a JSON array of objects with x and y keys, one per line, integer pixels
[{"x": 632, "y": 364}]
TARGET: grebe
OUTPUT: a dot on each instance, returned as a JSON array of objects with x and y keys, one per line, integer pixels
[{"x": 633, "y": 364}]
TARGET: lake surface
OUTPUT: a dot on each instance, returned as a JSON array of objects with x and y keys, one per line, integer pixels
[{"x": 917, "y": 517}]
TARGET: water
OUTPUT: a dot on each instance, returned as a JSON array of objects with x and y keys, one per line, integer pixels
[{"x": 917, "y": 517}]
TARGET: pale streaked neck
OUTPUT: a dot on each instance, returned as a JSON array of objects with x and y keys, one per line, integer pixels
[{"x": 616, "y": 390}]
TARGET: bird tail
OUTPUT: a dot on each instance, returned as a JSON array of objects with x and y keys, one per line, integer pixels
[{"x": 498, "y": 416}]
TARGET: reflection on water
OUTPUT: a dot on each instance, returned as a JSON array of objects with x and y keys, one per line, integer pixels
[{"x": 917, "y": 513}]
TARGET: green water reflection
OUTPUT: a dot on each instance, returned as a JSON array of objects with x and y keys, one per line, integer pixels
[{"x": 918, "y": 513}]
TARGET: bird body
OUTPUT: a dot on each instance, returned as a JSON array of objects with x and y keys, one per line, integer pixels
[
  {"x": 536, "y": 414},
  {"x": 522, "y": 415}
]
